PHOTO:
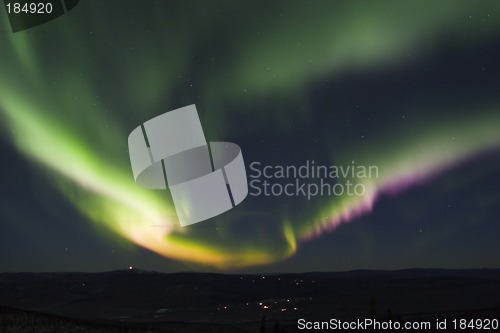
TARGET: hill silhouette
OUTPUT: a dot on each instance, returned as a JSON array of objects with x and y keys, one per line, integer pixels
[{"x": 204, "y": 302}]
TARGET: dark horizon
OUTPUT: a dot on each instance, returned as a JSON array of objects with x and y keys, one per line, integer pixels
[
  {"x": 138, "y": 269},
  {"x": 127, "y": 300}
]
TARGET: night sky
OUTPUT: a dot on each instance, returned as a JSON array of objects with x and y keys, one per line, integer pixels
[{"x": 411, "y": 87}]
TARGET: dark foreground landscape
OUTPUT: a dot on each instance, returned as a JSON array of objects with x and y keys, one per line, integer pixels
[{"x": 142, "y": 301}]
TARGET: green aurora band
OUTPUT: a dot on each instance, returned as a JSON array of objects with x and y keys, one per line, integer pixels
[{"x": 72, "y": 89}]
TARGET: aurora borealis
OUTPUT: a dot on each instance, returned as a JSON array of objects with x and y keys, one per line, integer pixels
[{"x": 411, "y": 87}]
